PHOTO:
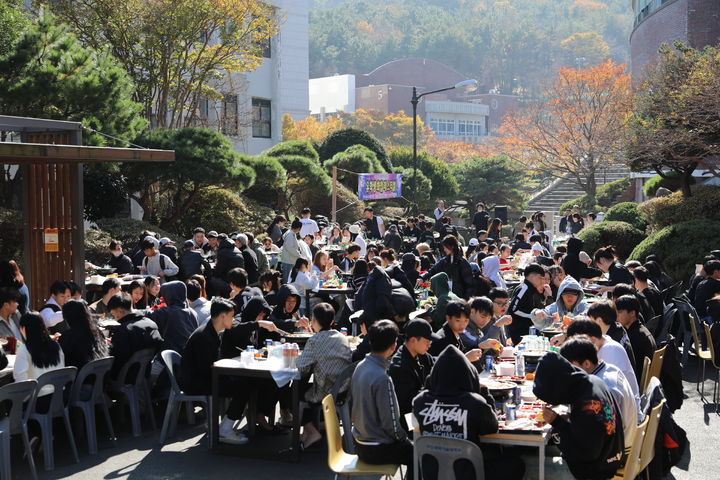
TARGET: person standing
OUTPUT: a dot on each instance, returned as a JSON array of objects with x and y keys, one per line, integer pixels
[
  {"x": 374, "y": 224},
  {"x": 480, "y": 219},
  {"x": 291, "y": 249},
  {"x": 118, "y": 260},
  {"x": 309, "y": 226},
  {"x": 156, "y": 263}
]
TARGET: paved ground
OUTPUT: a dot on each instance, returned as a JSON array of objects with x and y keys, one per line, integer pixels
[{"x": 186, "y": 455}]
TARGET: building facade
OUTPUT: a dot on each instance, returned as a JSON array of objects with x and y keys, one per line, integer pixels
[{"x": 694, "y": 22}]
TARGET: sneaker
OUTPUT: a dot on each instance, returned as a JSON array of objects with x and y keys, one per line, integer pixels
[{"x": 233, "y": 438}]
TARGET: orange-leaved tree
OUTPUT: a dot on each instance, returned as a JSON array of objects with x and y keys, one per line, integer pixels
[
  {"x": 392, "y": 129},
  {"x": 309, "y": 128},
  {"x": 455, "y": 151},
  {"x": 577, "y": 128}
]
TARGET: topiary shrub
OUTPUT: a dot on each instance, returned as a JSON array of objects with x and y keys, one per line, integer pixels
[
  {"x": 671, "y": 181},
  {"x": 680, "y": 246},
  {"x": 620, "y": 234},
  {"x": 357, "y": 158},
  {"x": 270, "y": 178},
  {"x": 128, "y": 230},
  {"x": 664, "y": 211},
  {"x": 605, "y": 197},
  {"x": 96, "y": 246},
  {"x": 11, "y": 240},
  {"x": 302, "y": 148},
  {"x": 627, "y": 212},
  {"x": 341, "y": 140},
  {"x": 215, "y": 209}
]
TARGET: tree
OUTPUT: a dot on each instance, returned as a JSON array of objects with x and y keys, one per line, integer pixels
[
  {"x": 492, "y": 181},
  {"x": 309, "y": 128},
  {"x": 443, "y": 184},
  {"x": 392, "y": 129},
  {"x": 270, "y": 180},
  {"x": 13, "y": 20},
  {"x": 340, "y": 140},
  {"x": 454, "y": 151},
  {"x": 302, "y": 148},
  {"x": 665, "y": 132},
  {"x": 305, "y": 178},
  {"x": 577, "y": 130},
  {"x": 357, "y": 159},
  {"x": 585, "y": 48},
  {"x": 49, "y": 74},
  {"x": 179, "y": 52},
  {"x": 203, "y": 159}
]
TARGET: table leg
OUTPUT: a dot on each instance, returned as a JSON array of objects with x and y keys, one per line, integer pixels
[
  {"x": 541, "y": 467},
  {"x": 252, "y": 412},
  {"x": 296, "y": 420},
  {"x": 214, "y": 410}
]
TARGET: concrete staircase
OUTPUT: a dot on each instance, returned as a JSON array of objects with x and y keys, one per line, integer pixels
[{"x": 562, "y": 190}]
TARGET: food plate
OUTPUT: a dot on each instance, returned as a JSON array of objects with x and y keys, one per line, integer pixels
[
  {"x": 495, "y": 386},
  {"x": 508, "y": 379}
]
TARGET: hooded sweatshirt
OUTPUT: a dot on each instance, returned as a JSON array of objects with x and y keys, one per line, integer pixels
[
  {"x": 451, "y": 405},
  {"x": 440, "y": 286},
  {"x": 177, "y": 321},
  {"x": 285, "y": 320},
  {"x": 571, "y": 262},
  {"x": 591, "y": 440},
  {"x": 244, "y": 329},
  {"x": 491, "y": 270},
  {"x": 408, "y": 266},
  {"x": 228, "y": 257},
  {"x": 558, "y": 307}
]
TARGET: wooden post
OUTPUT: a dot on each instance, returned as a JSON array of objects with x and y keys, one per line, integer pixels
[{"x": 334, "y": 195}]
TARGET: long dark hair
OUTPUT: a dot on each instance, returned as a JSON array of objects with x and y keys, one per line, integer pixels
[
  {"x": 44, "y": 352},
  {"x": 10, "y": 275},
  {"x": 360, "y": 269},
  {"x": 77, "y": 315},
  {"x": 276, "y": 220},
  {"x": 134, "y": 285},
  {"x": 149, "y": 281},
  {"x": 296, "y": 268},
  {"x": 452, "y": 243}
]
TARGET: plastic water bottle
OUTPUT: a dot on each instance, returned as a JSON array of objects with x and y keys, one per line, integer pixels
[{"x": 519, "y": 364}]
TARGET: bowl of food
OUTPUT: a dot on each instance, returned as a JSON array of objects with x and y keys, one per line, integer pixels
[{"x": 105, "y": 270}]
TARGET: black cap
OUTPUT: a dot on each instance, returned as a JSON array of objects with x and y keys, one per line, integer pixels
[
  {"x": 418, "y": 328},
  {"x": 188, "y": 244}
]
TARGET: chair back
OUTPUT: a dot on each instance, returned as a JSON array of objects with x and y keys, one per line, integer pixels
[
  {"x": 332, "y": 429},
  {"x": 447, "y": 451},
  {"x": 340, "y": 392},
  {"x": 711, "y": 345},
  {"x": 669, "y": 293},
  {"x": 648, "y": 447},
  {"x": 342, "y": 381},
  {"x": 137, "y": 363},
  {"x": 172, "y": 360},
  {"x": 632, "y": 462},
  {"x": 645, "y": 379},
  {"x": 656, "y": 363},
  {"x": 12, "y": 397},
  {"x": 696, "y": 338},
  {"x": 90, "y": 380},
  {"x": 61, "y": 380}
]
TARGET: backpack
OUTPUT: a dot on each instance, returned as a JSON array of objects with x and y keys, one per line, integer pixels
[{"x": 671, "y": 440}]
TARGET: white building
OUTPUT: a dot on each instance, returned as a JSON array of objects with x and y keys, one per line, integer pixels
[
  {"x": 462, "y": 121},
  {"x": 332, "y": 94}
]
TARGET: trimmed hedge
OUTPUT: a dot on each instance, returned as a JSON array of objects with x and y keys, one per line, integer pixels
[
  {"x": 605, "y": 196},
  {"x": 680, "y": 246},
  {"x": 128, "y": 230},
  {"x": 672, "y": 182},
  {"x": 215, "y": 209},
  {"x": 302, "y": 148},
  {"x": 665, "y": 211},
  {"x": 96, "y": 246},
  {"x": 623, "y": 236},
  {"x": 341, "y": 140},
  {"x": 627, "y": 212}
]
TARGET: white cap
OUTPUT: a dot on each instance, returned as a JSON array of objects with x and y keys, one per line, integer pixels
[
  {"x": 354, "y": 229},
  {"x": 473, "y": 242},
  {"x": 165, "y": 241}
]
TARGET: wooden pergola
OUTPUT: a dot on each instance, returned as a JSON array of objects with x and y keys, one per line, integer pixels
[{"x": 50, "y": 158}]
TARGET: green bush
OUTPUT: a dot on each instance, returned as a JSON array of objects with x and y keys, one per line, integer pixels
[
  {"x": 270, "y": 177},
  {"x": 623, "y": 236},
  {"x": 302, "y": 148},
  {"x": 605, "y": 197},
  {"x": 627, "y": 212},
  {"x": 11, "y": 240},
  {"x": 341, "y": 140},
  {"x": 444, "y": 181},
  {"x": 357, "y": 158},
  {"x": 128, "y": 230},
  {"x": 680, "y": 246},
  {"x": 671, "y": 181},
  {"x": 96, "y": 246},
  {"x": 215, "y": 209},
  {"x": 664, "y": 211}
]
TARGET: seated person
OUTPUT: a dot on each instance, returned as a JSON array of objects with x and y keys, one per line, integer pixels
[
  {"x": 569, "y": 301},
  {"x": 452, "y": 406},
  {"x": 82, "y": 342},
  {"x": 285, "y": 315},
  {"x": 39, "y": 354},
  {"x": 645, "y": 287},
  {"x": 642, "y": 341},
  {"x": 531, "y": 295},
  {"x": 52, "y": 310},
  {"x": 440, "y": 286},
  {"x": 118, "y": 260},
  {"x": 604, "y": 314},
  {"x": 591, "y": 437},
  {"x": 110, "y": 287},
  {"x": 136, "y": 332},
  {"x": 501, "y": 301},
  {"x": 582, "y": 353},
  {"x": 377, "y": 432},
  {"x": 325, "y": 356},
  {"x": 176, "y": 321},
  {"x": 411, "y": 363},
  {"x": 9, "y": 302},
  {"x": 457, "y": 317},
  {"x": 483, "y": 325},
  {"x": 519, "y": 245}
]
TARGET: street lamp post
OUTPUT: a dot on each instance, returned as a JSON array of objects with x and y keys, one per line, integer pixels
[{"x": 465, "y": 85}]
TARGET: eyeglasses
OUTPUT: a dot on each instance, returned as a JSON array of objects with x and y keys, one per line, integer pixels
[{"x": 500, "y": 304}]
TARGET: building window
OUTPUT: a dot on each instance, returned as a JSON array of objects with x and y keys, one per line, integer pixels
[
  {"x": 267, "y": 48},
  {"x": 230, "y": 124},
  {"x": 261, "y": 127},
  {"x": 442, "y": 126},
  {"x": 469, "y": 128}
]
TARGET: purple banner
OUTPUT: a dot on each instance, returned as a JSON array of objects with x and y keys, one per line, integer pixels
[{"x": 378, "y": 186}]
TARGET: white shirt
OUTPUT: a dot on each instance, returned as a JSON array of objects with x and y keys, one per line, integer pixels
[
  {"x": 309, "y": 227},
  {"x": 614, "y": 354},
  {"x": 51, "y": 318},
  {"x": 624, "y": 397},
  {"x": 305, "y": 281},
  {"x": 363, "y": 245},
  {"x": 24, "y": 369},
  {"x": 153, "y": 266},
  {"x": 439, "y": 213}
]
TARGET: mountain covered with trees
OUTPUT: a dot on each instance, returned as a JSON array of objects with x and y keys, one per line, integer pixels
[{"x": 511, "y": 45}]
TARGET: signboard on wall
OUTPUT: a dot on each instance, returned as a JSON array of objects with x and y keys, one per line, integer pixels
[
  {"x": 51, "y": 240},
  {"x": 379, "y": 186}
]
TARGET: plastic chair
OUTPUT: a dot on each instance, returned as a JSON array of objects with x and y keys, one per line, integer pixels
[
  {"x": 172, "y": 359},
  {"x": 15, "y": 420},
  {"x": 140, "y": 362},
  {"x": 447, "y": 451},
  {"x": 645, "y": 378},
  {"x": 87, "y": 393},
  {"x": 340, "y": 392},
  {"x": 340, "y": 462},
  {"x": 715, "y": 362},
  {"x": 648, "y": 447},
  {"x": 631, "y": 469},
  {"x": 655, "y": 367},
  {"x": 703, "y": 356},
  {"x": 61, "y": 380}
]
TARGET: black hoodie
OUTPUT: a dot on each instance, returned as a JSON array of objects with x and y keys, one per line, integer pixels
[
  {"x": 573, "y": 266},
  {"x": 228, "y": 257},
  {"x": 591, "y": 440},
  {"x": 285, "y": 320},
  {"x": 452, "y": 405},
  {"x": 177, "y": 321},
  {"x": 244, "y": 329}
]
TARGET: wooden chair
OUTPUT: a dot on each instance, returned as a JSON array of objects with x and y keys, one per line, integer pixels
[
  {"x": 648, "y": 447},
  {"x": 645, "y": 379},
  {"x": 340, "y": 462},
  {"x": 632, "y": 463},
  {"x": 703, "y": 356},
  {"x": 715, "y": 363},
  {"x": 655, "y": 368}
]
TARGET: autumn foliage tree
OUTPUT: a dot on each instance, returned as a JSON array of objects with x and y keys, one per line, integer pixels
[
  {"x": 309, "y": 128},
  {"x": 392, "y": 129},
  {"x": 577, "y": 130}
]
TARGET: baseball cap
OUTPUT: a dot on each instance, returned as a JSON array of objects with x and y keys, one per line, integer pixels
[
  {"x": 473, "y": 242},
  {"x": 165, "y": 241},
  {"x": 211, "y": 234},
  {"x": 418, "y": 328},
  {"x": 188, "y": 244},
  {"x": 354, "y": 229}
]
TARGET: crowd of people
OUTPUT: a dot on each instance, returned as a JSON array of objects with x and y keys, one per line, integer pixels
[{"x": 220, "y": 293}]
